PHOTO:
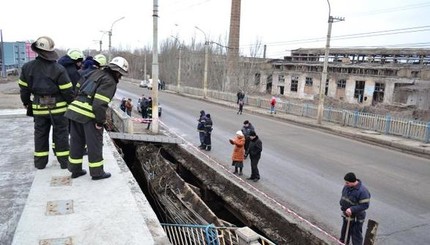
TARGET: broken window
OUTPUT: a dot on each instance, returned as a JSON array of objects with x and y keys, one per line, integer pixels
[
  {"x": 309, "y": 81},
  {"x": 359, "y": 90},
  {"x": 257, "y": 78},
  {"x": 281, "y": 78},
  {"x": 415, "y": 73},
  {"x": 341, "y": 83},
  {"x": 378, "y": 94},
  {"x": 294, "y": 84}
]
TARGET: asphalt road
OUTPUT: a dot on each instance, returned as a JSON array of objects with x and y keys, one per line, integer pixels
[{"x": 303, "y": 168}]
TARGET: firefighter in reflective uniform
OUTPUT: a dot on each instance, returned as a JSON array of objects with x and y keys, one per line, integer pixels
[
  {"x": 72, "y": 61},
  {"x": 97, "y": 62},
  {"x": 52, "y": 91},
  {"x": 208, "y": 133},
  {"x": 88, "y": 115}
]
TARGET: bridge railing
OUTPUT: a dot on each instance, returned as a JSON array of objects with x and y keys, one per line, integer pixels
[
  {"x": 408, "y": 128},
  {"x": 184, "y": 234}
]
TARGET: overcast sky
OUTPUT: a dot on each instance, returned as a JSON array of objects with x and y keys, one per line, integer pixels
[{"x": 276, "y": 23}]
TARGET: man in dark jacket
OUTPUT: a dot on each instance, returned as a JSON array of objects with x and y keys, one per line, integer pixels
[
  {"x": 201, "y": 128},
  {"x": 254, "y": 151},
  {"x": 246, "y": 129},
  {"x": 51, "y": 88},
  {"x": 353, "y": 203},
  {"x": 88, "y": 115}
]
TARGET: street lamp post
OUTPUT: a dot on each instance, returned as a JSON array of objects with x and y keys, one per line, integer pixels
[
  {"x": 331, "y": 19},
  {"x": 179, "y": 64},
  {"x": 110, "y": 36},
  {"x": 205, "y": 74}
]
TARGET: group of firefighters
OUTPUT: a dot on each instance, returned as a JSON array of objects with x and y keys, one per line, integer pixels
[{"x": 71, "y": 96}]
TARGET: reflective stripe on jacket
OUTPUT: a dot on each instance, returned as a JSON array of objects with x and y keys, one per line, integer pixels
[
  {"x": 357, "y": 198},
  {"x": 45, "y": 78},
  {"x": 93, "y": 98}
]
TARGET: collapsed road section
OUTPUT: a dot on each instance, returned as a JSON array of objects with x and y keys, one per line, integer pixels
[{"x": 184, "y": 188}]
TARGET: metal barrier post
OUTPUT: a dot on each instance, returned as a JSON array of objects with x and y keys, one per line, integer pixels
[
  {"x": 355, "y": 118},
  {"x": 387, "y": 124},
  {"x": 329, "y": 114},
  {"x": 427, "y": 137}
]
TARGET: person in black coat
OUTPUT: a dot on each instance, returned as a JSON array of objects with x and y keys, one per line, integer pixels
[{"x": 254, "y": 151}]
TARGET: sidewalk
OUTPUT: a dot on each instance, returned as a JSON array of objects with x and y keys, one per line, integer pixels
[
  {"x": 61, "y": 210},
  {"x": 395, "y": 142}
]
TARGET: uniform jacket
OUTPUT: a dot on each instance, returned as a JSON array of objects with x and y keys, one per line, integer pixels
[
  {"x": 357, "y": 198},
  {"x": 71, "y": 69},
  {"x": 201, "y": 122},
  {"x": 255, "y": 147},
  {"x": 208, "y": 125},
  {"x": 41, "y": 77},
  {"x": 239, "y": 148},
  {"x": 93, "y": 98}
]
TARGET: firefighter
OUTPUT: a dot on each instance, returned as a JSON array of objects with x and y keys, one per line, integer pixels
[
  {"x": 208, "y": 133},
  {"x": 52, "y": 91},
  {"x": 353, "y": 203},
  {"x": 72, "y": 61},
  {"x": 88, "y": 115},
  {"x": 97, "y": 62}
]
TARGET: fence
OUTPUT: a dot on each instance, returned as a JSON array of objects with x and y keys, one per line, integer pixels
[
  {"x": 183, "y": 234},
  {"x": 412, "y": 129}
]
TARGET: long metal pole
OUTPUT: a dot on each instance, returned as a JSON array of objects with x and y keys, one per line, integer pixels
[
  {"x": 205, "y": 76},
  {"x": 179, "y": 69},
  {"x": 155, "y": 70},
  {"x": 3, "y": 65}
]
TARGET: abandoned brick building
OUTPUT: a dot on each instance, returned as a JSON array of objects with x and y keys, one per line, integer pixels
[{"x": 358, "y": 76}]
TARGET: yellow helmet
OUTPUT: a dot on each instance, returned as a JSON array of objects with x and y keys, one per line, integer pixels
[
  {"x": 101, "y": 59},
  {"x": 75, "y": 54}
]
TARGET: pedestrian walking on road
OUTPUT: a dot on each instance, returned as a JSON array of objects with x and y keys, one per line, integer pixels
[
  {"x": 353, "y": 203},
  {"x": 254, "y": 151},
  {"x": 238, "y": 152},
  {"x": 273, "y": 105},
  {"x": 52, "y": 91},
  {"x": 240, "y": 96},
  {"x": 241, "y": 102},
  {"x": 88, "y": 116}
]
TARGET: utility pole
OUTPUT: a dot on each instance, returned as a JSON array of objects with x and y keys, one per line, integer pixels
[
  {"x": 205, "y": 72},
  {"x": 179, "y": 63},
  {"x": 323, "y": 81},
  {"x": 154, "y": 122}
]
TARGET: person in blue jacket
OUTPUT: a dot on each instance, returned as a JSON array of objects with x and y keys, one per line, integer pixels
[{"x": 353, "y": 203}]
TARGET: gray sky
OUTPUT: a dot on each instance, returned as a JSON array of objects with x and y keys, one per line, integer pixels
[{"x": 275, "y": 23}]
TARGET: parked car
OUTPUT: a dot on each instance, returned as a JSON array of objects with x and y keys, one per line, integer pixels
[
  {"x": 144, "y": 84},
  {"x": 150, "y": 84},
  {"x": 160, "y": 109}
]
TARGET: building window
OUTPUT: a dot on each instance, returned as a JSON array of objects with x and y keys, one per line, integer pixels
[
  {"x": 281, "y": 79},
  {"x": 294, "y": 84},
  {"x": 341, "y": 83},
  {"x": 257, "y": 78},
  {"x": 415, "y": 73},
  {"x": 309, "y": 81}
]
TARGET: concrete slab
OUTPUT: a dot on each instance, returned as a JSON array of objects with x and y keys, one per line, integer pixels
[{"x": 81, "y": 211}]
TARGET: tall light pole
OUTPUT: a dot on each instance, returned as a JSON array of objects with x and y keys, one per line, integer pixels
[
  {"x": 205, "y": 74},
  {"x": 155, "y": 69},
  {"x": 110, "y": 36},
  {"x": 331, "y": 19},
  {"x": 179, "y": 63}
]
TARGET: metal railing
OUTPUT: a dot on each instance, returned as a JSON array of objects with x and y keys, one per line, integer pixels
[
  {"x": 183, "y": 234},
  {"x": 408, "y": 128}
]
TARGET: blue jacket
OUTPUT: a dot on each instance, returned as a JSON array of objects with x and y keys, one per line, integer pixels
[
  {"x": 357, "y": 198},
  {"x": 71, "y": 68}
]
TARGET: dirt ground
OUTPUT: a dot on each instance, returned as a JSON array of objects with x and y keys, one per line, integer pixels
[{"x": 9, "y": 93}]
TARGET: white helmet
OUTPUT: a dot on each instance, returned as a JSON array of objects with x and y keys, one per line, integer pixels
[
  {"x": 119, "y": 64},
  {"x": 101, "y": 59},
  {"x": 44, "y": 43}
]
